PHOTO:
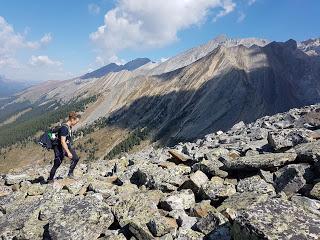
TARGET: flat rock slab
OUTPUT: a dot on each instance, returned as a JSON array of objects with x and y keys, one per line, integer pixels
[
  {"x": 137, "y": 209},
  {"x": 17, "y": 216},
  {"x": 239, "y": 201},
  {"x": 276, "y": 219},
  {"x": 16, "y": 178},
  {"x": 180, "y": 157},
  {"x": 79, "y": 218},
  {"x": 261, "y": 161}
]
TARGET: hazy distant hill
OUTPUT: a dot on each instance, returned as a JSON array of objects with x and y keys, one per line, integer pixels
[{"x": 10, "y": 87}]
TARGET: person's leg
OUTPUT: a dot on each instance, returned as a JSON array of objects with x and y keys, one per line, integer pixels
[
  {"x": 58, "y": 157},
  {"x": 74, "y": 161}
]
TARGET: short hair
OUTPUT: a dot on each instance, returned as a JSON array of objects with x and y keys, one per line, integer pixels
[{"x": 74, "y": 115}]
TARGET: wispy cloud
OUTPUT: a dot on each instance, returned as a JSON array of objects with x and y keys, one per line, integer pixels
[
  {"x": 93, "y": 9},
  {"x": 43, "y": 60},
  {"x": 251, "y": 2},
  {"x": 227, "y": 6},
  {"x": 47, "y": 38},
  {"x": 241, "y": 17}
]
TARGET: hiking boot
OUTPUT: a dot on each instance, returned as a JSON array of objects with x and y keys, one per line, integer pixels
[{"x": 49, "y": 181}]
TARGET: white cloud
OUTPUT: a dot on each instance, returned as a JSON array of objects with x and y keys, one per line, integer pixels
[
  {"x": 241, "y": 17},
  {"x": 12, "y": 41},
  {"x": 93, "y": 9},
  {"x": 9, "y": 42},
  {"x": 43, "y": 61},
  {"x": 14, "y": 47},
  {"x": 142, "y": 24}
]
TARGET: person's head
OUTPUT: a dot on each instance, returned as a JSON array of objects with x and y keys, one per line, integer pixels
[{"x": 74, "y": 118}]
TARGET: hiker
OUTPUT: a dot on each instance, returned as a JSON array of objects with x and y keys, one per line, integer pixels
[{"x": 64, "y": 146}]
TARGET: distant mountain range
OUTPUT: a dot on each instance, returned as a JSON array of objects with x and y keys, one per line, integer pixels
[
  {"x": 204, "y": 89},
  {"x": 9, "y": 87}
]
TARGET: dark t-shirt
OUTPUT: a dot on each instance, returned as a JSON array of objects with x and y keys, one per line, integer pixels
[{"x": 64, "y": 132}]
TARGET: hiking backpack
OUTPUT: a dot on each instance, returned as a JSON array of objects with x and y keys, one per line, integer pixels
[{"x": 50, "y": 138}]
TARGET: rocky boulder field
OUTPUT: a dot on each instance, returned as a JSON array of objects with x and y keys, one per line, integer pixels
[{"x": 256, "y": 181}]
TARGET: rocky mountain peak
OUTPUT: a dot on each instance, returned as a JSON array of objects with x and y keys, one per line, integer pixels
[
  {"x": 292, "y": 44},
  {"x": 194, "y": 54},
  {"x": 311, "y": 46},
  {"x": 136, "y": 63},
  {"x": 113, "y": 67}
]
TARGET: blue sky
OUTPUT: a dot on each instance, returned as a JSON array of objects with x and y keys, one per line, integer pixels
[{"x": 42, "y": 40}]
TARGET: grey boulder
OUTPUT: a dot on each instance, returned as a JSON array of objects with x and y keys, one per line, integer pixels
[
  {"x": 276, "y": 219},
  {"x": 261, "y": 161}
]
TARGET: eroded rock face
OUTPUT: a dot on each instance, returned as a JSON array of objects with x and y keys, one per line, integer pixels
[{"x": 238, "y": 184}]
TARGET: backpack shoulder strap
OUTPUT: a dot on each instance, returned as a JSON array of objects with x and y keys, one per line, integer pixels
[{"x": 69, "y": 129}]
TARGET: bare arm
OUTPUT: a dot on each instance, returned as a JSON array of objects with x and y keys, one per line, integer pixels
[{"x": 65, "y": 146}]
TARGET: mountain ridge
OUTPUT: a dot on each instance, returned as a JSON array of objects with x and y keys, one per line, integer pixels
[{"x": 113, "y": 67}]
